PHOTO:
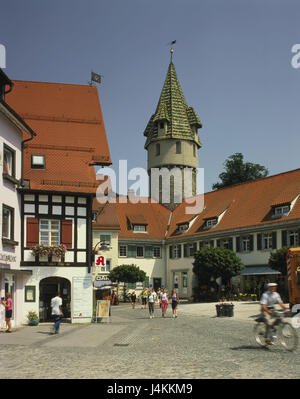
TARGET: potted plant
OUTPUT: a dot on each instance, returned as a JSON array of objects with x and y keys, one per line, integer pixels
[{"x": 33, "y": 318}]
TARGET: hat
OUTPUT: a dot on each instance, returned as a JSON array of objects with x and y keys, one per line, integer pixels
[{"x": 272, "y": 285}]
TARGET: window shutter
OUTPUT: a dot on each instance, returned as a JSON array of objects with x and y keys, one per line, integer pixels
[
  {"x": 259, "y": 241},
  {"x": 195, "y": 248},
  {"x": 131, "y": 251},
  {"x": 230, "y": 241},
  {"x": 284, "y": 238},
  {"x": 185, "y": 250},
  {"x": 170, "y": 252},
  {"x": 146, "y": 282},
  {"x": 218, "y": 243},
  {"x": 237, "y": 241},
  {"x": 201, "y": 244},
  {"x": 32, "y": 232},
  {"x": 66, "y": 233},
  {"x": 274, "y": 240},
  {"x": 211, "y": 243},
  {"x": 179, "y": 251},
  {"x": 251, "y": 243},
  {"x": 148, "y": 252}
]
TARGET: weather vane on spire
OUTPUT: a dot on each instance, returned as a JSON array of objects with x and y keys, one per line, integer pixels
[{"x": 171, "y": 50}]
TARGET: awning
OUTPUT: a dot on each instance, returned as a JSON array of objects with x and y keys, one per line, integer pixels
[
  {"x": 102, "y": 283},
  {"x": 258, "y": 270}
]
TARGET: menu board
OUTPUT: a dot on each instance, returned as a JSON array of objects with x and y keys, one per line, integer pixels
[
  {"x": 82, "y": 297},
  {"x": 103, "y": 308}
]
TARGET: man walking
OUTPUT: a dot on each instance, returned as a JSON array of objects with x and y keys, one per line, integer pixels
[{"x": 57, "y": 314}]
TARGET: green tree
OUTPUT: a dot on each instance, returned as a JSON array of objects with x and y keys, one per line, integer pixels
[
  {"x": 127, "y": 274},
  {"x": 211, "y": 263},
  {"x": 237, "y": 171},
  {"x": 277, "y": 260}
]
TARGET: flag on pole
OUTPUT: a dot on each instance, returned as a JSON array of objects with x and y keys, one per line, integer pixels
[{"x": 96, "y": 77}]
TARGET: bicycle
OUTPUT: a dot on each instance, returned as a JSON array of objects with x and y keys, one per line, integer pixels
[{"x": 280, "y": 331}]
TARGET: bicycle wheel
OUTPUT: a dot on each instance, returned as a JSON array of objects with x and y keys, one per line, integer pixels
[
  {"x": 288, "y": 336},
  {"x": 259, "y": 333}
]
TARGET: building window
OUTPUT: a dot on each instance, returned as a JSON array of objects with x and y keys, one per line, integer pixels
[
  {"x": 210, "y": 223},
  {"x": 7, "y": 222},
  {"x": 175, "y": 251},
  {"x": 189, "y": 249},
  {"x": 292, "y": 238},
  {"x": 9, "y": 160},
  {"x": 245, "y": 244},
  {"x": 156, "y": 252},
  {"x": 140, "y": 252},
  {"x": 281, "y": 211},
  {"x": 183, "y": 227},
  {"x": 38, "y": 161},
  {"x": 122, "y": 251},
  {"x": 161, "y": 125},
  {"x": 49, "y": 232},
  {"x": 139, "y": 227},
  {"x": 157, "y": 149},
  {"x": 178, "y": 147},
  {"x": 267, "y": 241},
  {"x": 105, "y": 239}
]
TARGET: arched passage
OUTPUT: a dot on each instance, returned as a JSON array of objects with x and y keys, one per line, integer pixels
[{"x": 48, "y": 289}]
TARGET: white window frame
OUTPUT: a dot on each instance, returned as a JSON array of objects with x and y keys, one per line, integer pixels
[
  {"x": 10, "y": 164},
  {"x": 10, "y": 222},
  {"x": 155, "y": 250},
  {"x": 38, "y": 165},
  {"x": 245, "y": 244},
  {"x": 267, "y": 241},
  {"x": 139, "y": 228},
  {"x": 49, "y": 230},
  {"x": 183, "y": 227},
  {"x": 124, "y": 248},
  {"x": 209, "y": 223},
  {"x": 282, "y": 210},
  {"x": 292, "y": 234}
]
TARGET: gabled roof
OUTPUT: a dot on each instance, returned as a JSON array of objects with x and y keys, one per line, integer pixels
[
  {"x": 155, "y": 215},
  {"x": 70, "y": 133},
  {"x": 249, "y": 205},
  {"x": 173, "y": 108}
]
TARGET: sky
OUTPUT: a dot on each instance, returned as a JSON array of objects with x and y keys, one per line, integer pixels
[{"x": 232, "y": 58}]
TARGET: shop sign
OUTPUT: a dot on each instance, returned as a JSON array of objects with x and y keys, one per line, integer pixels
[
  {"x": 7, "y": 258},
  {"x": 100, "y": 260}
]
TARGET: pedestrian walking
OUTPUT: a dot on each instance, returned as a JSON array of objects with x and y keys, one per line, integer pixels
[
  {"x": 8, "y": 304},
  {"x": 164, "y": 303},
  {"x": 175, "y": 302},
  {"x": 151, "y": 304},
  {"x": 154, "y": 296},
  {"x": 133, "y": 299},
  {"x": 144, "y": 298},
  {"x": 57, "y": 313}
]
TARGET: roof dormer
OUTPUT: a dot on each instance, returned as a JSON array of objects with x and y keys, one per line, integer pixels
[{"x": 282, "y": 206}]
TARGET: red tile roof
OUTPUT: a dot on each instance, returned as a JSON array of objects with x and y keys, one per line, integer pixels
[
  {"x": 250, "y": 204},
  {"x": 70, "y": 133}
]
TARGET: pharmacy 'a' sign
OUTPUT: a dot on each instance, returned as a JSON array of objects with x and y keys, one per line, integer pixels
[{"x": 100, "y": 260}]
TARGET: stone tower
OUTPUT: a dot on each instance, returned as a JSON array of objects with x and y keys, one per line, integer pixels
[{"x": 172, "y": 142}]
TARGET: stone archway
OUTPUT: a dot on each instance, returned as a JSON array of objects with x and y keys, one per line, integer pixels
[{"x": 49, "y": 287}]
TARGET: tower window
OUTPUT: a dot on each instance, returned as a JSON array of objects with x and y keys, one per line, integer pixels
[
  {"x": 157, "y": 149},
  {"x": 178, "y": 147},
  {"x": 161, "y": 125}
]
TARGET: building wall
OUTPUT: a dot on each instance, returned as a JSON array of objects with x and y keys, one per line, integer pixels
[{"x": 11, "y": 255}]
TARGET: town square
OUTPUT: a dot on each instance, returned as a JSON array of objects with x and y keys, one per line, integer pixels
[{"x": 149, "y": 196}]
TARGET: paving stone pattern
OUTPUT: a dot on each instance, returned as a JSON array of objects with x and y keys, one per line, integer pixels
[{"x": 134, "y": 346}]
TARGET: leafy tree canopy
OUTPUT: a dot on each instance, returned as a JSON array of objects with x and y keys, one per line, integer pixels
[
  {"x": 216, "y": 262},
  {"x": 127, "y": 274},
  {"x": 277, "y": 260},
  {"x": 237, "y": 171}
]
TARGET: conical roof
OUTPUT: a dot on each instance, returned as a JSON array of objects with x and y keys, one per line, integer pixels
[{"x": 173, "y": 108}]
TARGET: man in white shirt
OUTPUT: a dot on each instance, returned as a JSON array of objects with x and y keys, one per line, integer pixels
[
  {"x": 268, "y": 299},
  {"x": 57, "y": 314}
]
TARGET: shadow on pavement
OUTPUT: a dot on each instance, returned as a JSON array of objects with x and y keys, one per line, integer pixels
[{"x": 247, "y": 347}]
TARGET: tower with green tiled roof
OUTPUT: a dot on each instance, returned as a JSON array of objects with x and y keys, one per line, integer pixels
[{"x": 172, "y": 138}]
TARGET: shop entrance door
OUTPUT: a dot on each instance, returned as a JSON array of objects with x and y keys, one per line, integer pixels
[
  {"x": 48, "y": 289},
  {"x": 156, "y": 283}
]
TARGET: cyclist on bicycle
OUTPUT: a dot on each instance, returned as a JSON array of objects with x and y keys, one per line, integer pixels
[{"x": 268, "y": 299}]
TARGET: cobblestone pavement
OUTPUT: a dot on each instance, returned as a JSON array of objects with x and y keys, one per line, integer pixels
[{"x": 133, "y": 346}]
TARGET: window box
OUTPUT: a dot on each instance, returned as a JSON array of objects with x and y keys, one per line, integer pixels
[{"x": 57, "y": 251}]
